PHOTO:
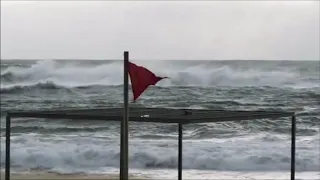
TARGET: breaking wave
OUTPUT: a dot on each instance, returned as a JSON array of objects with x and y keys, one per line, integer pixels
[
  {"x": 71, "y": 146},
  {"x": 53, "y": 74},
  {"x": 239, "y": 154}
]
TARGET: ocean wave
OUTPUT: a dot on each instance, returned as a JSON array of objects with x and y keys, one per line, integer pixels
[
  {"x": 201, "y": 74},
  {"x": 26, "y": 87},
  {"x": 246, "y": 154},
  {"x": 203, "y": 131},
  {"x": 49, "y": 130}
]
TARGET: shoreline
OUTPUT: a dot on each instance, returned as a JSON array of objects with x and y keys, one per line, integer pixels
[
  {"x": 43, "y": 175},
  {"x": 196, "y": 175}
]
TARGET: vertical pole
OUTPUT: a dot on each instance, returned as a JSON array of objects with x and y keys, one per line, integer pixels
[
  {"x": 180, "y": 153},
  {"x": 293, "y": 146},
  {"x": 124, "y": 122},
  {"x": 8, "y": 132}
]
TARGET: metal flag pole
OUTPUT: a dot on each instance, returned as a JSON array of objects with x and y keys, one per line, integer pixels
[{"x": 124, "y": 123}]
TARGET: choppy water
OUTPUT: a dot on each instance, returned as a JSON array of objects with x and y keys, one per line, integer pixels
[{"x": 83, "y": 146}]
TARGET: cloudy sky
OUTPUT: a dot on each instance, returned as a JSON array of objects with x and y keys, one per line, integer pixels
[{"x": 161, "y": 30}]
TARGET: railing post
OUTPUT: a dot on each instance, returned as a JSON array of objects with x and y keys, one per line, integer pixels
[
  {"x": 8, "y": 132},
  {"x": 180, "y": 153},
  {"x": 293, "y": 146}
]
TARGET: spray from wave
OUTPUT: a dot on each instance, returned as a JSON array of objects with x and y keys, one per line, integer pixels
[
  {"x": 54, "y": 74},
  {"x": 85, "y": 154}
]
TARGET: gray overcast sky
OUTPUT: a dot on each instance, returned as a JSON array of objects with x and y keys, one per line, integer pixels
[{"x": 161, "y": 30}]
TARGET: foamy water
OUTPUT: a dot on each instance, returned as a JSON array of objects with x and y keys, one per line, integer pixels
[
  {"x": 75, "y": 75},
  {"x": 231, "y": 150}
]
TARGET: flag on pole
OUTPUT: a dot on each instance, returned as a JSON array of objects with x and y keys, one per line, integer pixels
[{"x": 141, "y": 78}]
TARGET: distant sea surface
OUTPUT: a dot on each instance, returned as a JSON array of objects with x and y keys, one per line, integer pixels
[{"x": 248, "y": 149}]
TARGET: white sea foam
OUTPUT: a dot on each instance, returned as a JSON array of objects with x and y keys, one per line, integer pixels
[
  {"x": 86, "y": 154},
  {"x": 74, "y": 75}
]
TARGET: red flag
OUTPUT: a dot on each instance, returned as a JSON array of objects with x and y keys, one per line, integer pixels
[{"x": 141, "y": 78}]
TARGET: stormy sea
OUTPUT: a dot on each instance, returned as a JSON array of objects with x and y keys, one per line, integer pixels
[{"x": 258, "y": 149}]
